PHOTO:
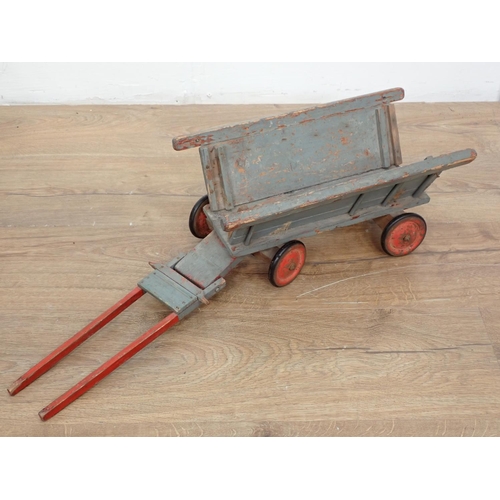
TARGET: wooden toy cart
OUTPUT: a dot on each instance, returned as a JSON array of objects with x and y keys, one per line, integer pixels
[{"x": 269, "y": 183}]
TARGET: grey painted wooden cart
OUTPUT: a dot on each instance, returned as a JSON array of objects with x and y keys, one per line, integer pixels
[{"x": 270, "y": 182}]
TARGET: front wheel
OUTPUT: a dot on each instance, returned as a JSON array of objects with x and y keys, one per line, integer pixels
[
  {"x": 403, "y": 234},
  {"x": 198, "y": 224},
  {"x": 287, "y": 263}
]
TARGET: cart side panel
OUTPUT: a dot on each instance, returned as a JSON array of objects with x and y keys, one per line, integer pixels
[
  {"x": 287, "y": 203},
  {"x": 374, "y": 200},
  {"x": 283, "y": 225},
  {"x": 281, "y": 228},
  {"x": 318, "y": 224}
]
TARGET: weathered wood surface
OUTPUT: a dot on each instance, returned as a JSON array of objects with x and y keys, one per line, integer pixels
[
  {"x": 337, "y": 190},
  {"x": 284, "y": 120},
  {"x": 314, "y": 221},
  {"x": 359, "y": 344},
  {"x": 277, "y": 155}
]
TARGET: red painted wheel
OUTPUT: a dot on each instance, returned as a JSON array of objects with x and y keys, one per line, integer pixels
[
  {"x": 287, "y": 263},
  {"x": 198, "y": 224},
  {"x": 403, "y": 234}
]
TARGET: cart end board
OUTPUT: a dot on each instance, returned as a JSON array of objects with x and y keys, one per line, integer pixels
[{"x": 255, "y": 161}]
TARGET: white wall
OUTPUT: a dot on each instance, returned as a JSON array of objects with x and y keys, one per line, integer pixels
[{"x": 237, "y": 83}]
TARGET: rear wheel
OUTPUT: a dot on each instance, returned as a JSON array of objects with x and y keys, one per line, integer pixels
[
  {"x": 287, "y": 263},
  {"x": 198, "y": 224},
  {"x": 403, "y": 234}
]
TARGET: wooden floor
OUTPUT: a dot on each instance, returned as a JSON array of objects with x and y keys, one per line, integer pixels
[{"x": 359, "y": 344}]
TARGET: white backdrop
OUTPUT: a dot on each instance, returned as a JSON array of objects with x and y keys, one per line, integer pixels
[{"x": 241, "y": 83}]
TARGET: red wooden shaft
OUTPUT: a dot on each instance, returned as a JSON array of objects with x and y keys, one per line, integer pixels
[
  {"x": 112, "y": 364},
  {"x": 63, "y": 350}
]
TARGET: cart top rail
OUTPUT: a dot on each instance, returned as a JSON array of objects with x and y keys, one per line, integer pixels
[{"x": 232, "y": 132}]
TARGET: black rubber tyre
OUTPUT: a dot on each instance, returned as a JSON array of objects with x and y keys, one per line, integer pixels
[
  {"x": 403, "y": 234},
  {"x": 287, "y": 263},
  {"x": 198, "y": 224}
]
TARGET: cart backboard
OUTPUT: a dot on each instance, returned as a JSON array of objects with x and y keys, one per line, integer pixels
[{"x": 254, "y": 161}]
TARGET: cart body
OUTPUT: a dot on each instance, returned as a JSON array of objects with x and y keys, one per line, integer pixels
[{"x": 309, "y": 171}]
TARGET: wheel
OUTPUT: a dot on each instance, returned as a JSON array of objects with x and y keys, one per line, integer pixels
[
  {"x": 403, "y": 234},
  {"x": 198, "y": 224},
  {"x": 287, "y": 263}
]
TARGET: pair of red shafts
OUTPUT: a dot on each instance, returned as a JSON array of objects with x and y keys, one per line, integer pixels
[{"x": 97, "y": 375}]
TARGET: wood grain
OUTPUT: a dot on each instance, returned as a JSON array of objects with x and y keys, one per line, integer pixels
[{"x": 359, "y": 344}]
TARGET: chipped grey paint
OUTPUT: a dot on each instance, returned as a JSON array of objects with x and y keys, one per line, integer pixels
[{"x": 299, "y": 150}]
